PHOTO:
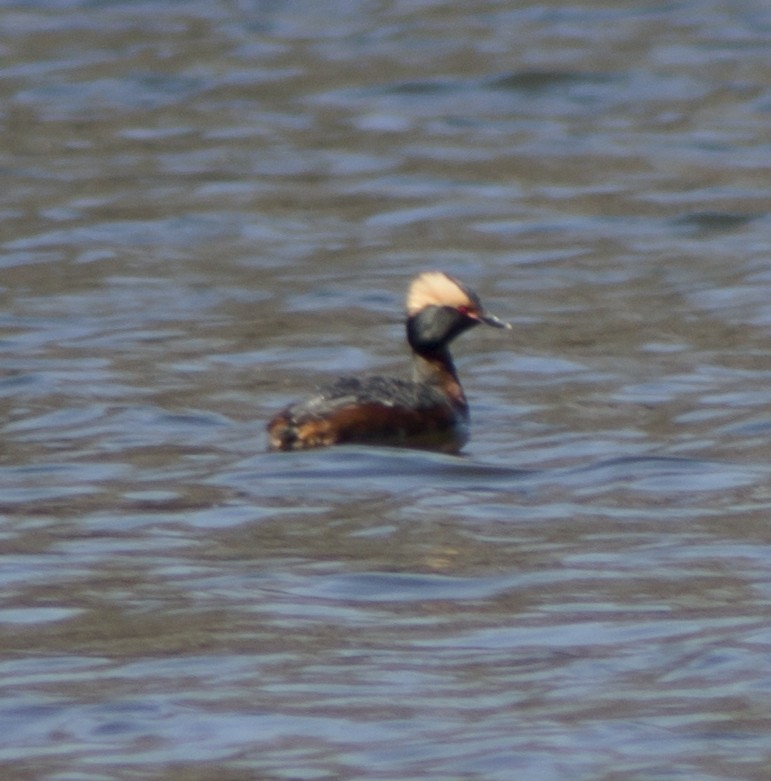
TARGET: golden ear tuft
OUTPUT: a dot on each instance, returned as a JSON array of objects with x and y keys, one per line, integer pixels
[{"x": 435, "y": 288}]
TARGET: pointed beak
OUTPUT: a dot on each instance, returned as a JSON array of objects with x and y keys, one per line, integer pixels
[{"x": 494, "y": 321}]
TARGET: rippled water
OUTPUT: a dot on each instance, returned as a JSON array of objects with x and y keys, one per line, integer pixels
[{"x": 207, "y": 209}]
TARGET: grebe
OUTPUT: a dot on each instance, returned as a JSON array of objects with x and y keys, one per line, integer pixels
[{"x": 430, "y": 411}]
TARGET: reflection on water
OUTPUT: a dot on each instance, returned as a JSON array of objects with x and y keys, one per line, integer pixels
[{"x": 209, "y": 208}]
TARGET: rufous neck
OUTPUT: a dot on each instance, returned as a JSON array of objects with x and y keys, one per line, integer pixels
[{"x": 436, "y": 368}]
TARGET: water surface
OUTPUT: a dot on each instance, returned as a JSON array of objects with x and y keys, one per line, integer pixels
[{"x": 209, "y": 208}]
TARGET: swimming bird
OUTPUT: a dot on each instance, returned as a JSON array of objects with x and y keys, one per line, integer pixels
[{"x": 429, "y": 411}]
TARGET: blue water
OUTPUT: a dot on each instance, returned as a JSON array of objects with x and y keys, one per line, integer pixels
[{"x": 211, "y": 208}]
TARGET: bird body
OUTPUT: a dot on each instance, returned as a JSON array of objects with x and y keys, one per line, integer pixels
[{"x": 428, "y": 411}]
